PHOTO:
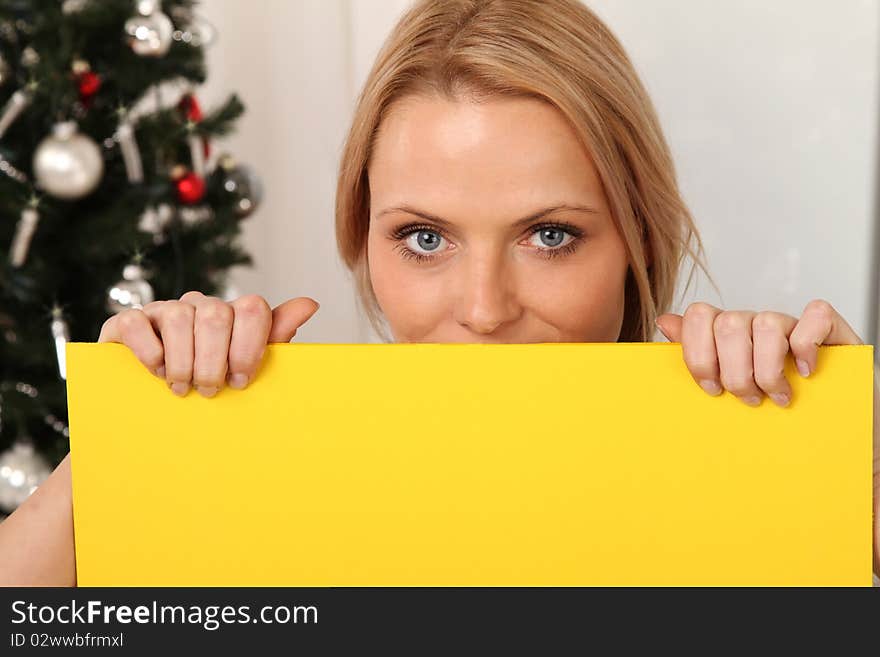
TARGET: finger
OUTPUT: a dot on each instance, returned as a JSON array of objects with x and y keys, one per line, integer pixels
[
  {"x": 733, "y": 342},
  {"x": 134, "y": 329},
  {"x": 174, "y": 319},
  {"x": 250, "y": 333},
  {"x": 212, "y": 330},
  {"x": 289, "y": 316},
  {"x": 192, "y": 297},
  {"x": 770, "y": 333},
  {"x": 698, "y": 346},
  {"x": 670, "y": 326},
  {"x": 819, "y": 324}
]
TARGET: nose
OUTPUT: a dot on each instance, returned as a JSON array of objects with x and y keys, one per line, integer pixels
[{"x": 487, "y": 297}]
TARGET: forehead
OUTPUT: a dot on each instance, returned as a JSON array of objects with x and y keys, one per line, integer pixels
[{"x": 458, "y": 155}]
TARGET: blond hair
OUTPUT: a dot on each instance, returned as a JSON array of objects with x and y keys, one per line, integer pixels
[{"x": 558, "y": 51}]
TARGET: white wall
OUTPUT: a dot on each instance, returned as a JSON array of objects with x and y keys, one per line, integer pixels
[
  {"x": 290, "y": 63},
  {"x": 770, "y": 110}
]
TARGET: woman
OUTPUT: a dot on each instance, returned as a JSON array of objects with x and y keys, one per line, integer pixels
[{"x": 505, "y": 180}]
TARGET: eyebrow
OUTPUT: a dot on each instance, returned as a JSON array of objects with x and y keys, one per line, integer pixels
[{"x": 517, "y": 224}]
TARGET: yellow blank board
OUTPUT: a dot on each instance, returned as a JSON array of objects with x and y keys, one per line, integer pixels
[{"x": 464, "y": 464}]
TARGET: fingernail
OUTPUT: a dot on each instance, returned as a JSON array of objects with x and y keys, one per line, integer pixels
[
  {"x": 803, "y": 367},
  {"x": 752, "y": 401},
  {"x": 160, "y": 371},
  {"x": 780, "y": 398},
  {"x": 207, "y": 391},
  {"x": 711, "y": 386},
  {"x": 238, "y": 381},
  {"x": 180, "y": 389}
]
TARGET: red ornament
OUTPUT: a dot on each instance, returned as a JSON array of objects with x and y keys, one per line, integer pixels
[
  {"x": 89, "y": 83},
  {"x": 191, "y": 110},
  {"x": 190, "y": 188}
]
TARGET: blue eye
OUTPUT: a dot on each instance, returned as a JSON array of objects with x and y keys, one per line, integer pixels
[
  {"x": 426, "y": 239},
  {"x": 423, "y": 243},
  {"x": 551, "y": 236}
]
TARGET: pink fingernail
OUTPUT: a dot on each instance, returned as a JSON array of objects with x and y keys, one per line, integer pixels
[
  {"x": 238, "y": 381},
  {"x": 780, "y": 398},
  {"x": 752, "y": 401},
  {"x": 711, "y": 386},
  {"x": 180, "y": 389},
  {"x": 803, "y": 367},
  {"x": 207, "y": 391},
  {"x": 160, "y": 371}
]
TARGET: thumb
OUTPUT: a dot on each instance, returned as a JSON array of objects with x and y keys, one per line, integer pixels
[
  {"x": 670, "y": 326},
  {"x": 289, "y": 316}
]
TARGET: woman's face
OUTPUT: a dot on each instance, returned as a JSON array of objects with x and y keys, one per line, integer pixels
[{"x": 488, "y": 223}]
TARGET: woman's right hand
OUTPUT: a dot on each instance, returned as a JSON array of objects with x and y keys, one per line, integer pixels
[{"x": 204, "y": 342}]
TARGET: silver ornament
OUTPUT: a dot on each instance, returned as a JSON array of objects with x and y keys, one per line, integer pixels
[
  {"x": 14, "y": 106},
  {"x": 149, "y": 33},
  {"x": 196, "y": 152},
  {"x": 69, "y": 7},
  {"x": 247, "y": 187},
  {"x": 68, "y": 164},
  {"x": 29, "y": 57},
  {"x": 24, "y": 233},
  {"x": 194, "y": 215},
  {"x": 133, "y": 291},
  {"x": 200, "y": 33},
  {"x": 155, "y": 220},
  {"x": 131, "y": 154},
  {"x": 61, "y": 336},
  {"x": 22, "y": 470}
]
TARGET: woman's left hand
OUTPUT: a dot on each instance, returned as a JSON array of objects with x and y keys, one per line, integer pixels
[{"x": 744, "y": 352}]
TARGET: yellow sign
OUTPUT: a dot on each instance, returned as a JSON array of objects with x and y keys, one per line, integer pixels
[{"x": 465, "y": 464}]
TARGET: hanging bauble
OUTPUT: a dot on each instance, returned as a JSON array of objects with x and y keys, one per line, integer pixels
[
  {"x": 24, "y": 233},
  {"x": 155, "y": 220},
  {"x": 197, "y": 32},
  {"x": 133, "y": 291},
  {"x": 191, "y": 112},
  {"x": 88, "y": 84},
  {"x": 190, "y": 109},
  {"x": 69, "y": 7},
  {"x": 61, "y": 336},
  {"x": 190, "y": 186},
  {"x": 149, "y": 33},
  {"x": 68, "y": 164},
  {"x": 16, "y": 104},
  {"x": 243, "y": 183},
  {"x": 192, "y": 215},
  {"x": 87, "y": 81},
  {"x": 22, "y": 470},
  {"x": 79, "y": 66},
  {"x": 131, "y": 154},
  {"x": 29, "y": 57}
]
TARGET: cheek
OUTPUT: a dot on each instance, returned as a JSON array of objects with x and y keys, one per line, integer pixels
[
  {"x": 584, "y": 302},
  {"x": 412, "y": 301}
]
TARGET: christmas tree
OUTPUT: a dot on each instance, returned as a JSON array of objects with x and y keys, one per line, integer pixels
[{"x": 109, "y": 197}]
